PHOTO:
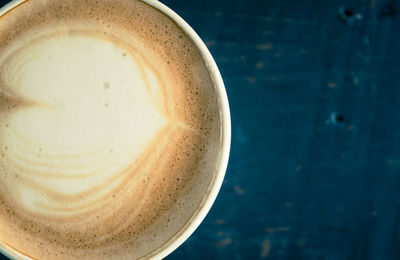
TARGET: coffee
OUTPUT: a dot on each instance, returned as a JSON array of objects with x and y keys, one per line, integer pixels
[{"x": 109, "y": 129}]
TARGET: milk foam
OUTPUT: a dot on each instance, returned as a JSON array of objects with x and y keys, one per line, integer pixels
[
  {"x": 91, "y": 114},
  {"x": 109, "y": 129}
]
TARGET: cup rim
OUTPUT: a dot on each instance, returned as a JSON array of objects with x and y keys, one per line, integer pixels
[{"x": 204, "y": 207}]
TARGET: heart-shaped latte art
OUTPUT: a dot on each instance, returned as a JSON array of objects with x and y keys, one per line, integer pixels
[
  {"x": 110, "y": 129},
  {"x": 84, "y": 110}
]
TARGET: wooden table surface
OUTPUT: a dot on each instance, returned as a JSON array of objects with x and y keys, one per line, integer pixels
[{"x": 314, "y": 171}]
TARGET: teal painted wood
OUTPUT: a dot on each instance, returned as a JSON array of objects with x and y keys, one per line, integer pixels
[{"x": 314, "y": 91}]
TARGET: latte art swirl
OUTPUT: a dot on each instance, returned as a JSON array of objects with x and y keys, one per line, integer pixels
[
  {"x": 73, "y": 133},
  {"x": 109, "y": 129}
]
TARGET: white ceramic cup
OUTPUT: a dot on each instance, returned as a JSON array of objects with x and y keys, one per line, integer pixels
[{"x": 222, "y": 162}]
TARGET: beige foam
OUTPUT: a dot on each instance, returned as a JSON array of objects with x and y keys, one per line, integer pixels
[{"x": 109, "y": 129}]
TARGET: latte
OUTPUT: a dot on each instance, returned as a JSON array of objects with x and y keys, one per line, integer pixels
[{"x": 109, "y": 129}]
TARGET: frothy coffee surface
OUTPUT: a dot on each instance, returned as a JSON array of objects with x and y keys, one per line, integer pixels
[{"x": 109, "y": 129}]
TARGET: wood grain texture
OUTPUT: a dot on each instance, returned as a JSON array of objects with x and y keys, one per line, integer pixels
[
  {"x": 314, "y": 89},
  {"x": 315, "y": 160}
]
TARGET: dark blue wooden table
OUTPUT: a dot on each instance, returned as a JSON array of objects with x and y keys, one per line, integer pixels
[{"x": 314, "y": 89}]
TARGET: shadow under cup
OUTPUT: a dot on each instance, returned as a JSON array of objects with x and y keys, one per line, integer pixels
[{"x": 172, "y": 182}]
